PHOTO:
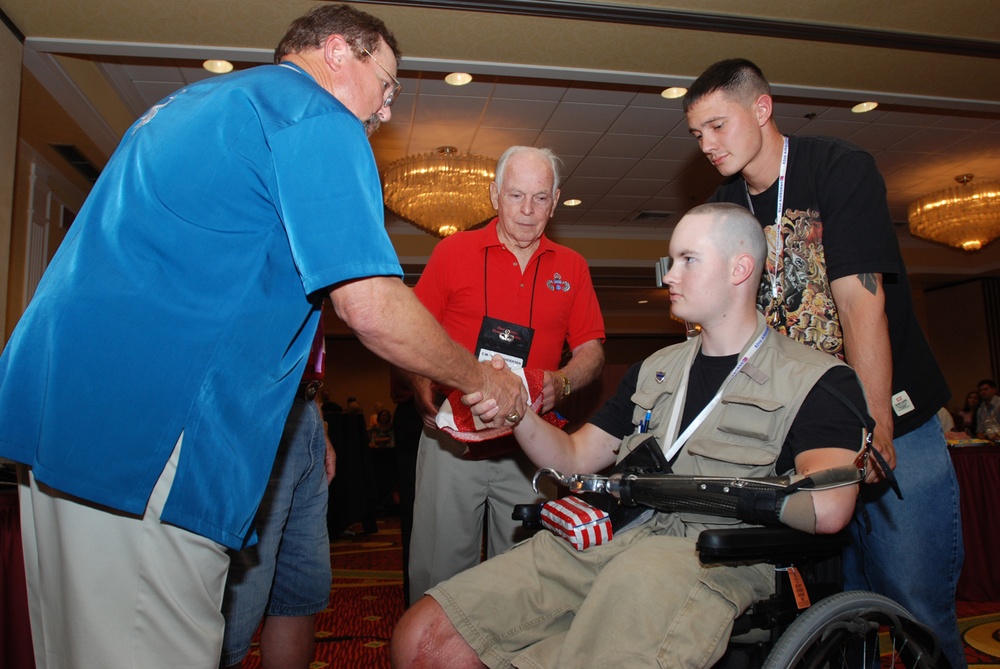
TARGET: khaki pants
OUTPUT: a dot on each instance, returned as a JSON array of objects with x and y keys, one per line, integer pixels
[
  {"x": 118, "y": 590},
  {"x": 454, "y": 497},
  {"x": 643, "y": 600}
]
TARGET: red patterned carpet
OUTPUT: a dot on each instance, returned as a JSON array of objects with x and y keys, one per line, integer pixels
[
  {"x": 367, "y": 599},
  {"x": 365, "y": 602}
]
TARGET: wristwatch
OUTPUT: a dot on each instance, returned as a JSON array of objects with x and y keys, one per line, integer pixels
[{"x": 566, "y": 386}]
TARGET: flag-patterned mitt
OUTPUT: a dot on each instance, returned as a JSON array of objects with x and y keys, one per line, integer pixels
[{"x": 579, "y": 523}]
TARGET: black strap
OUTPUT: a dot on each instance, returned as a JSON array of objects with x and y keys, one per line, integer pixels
[
  {"x": 869, "y": 425},
  {"x": 486, "y": 288}
]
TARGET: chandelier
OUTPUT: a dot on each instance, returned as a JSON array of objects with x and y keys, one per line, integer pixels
[
  {"x": 966, "y": 216},
  {"x": 441, "y": 192}
]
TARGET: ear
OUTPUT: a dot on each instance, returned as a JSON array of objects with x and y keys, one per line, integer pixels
[
  {"x": 555, "y": 203},
  {"x": 743, "y": 268},
  {"x": 495, "y": 195},
  {"x": 764, "y": 108},
  {"x": 335, "y": 50}
]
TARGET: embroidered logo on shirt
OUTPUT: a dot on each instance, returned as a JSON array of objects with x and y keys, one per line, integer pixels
[{"x": 557, "y": 284}]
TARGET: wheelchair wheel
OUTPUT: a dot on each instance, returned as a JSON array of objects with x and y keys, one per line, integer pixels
[{"x": 843, "y": 631}]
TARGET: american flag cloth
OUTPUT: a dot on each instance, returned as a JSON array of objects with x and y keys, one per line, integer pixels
[
  {"x": 457, "y": 419},
  {"x": 579, "y": 523}
]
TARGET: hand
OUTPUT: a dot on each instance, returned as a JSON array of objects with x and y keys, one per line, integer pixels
[
  {"x": 423, "y": 399},
  {"x": 330, "y": 460},
  {"x": 552, "y": 391},
  {"x": 882, "y": 442},
  {"x": 503, "y": 395}
]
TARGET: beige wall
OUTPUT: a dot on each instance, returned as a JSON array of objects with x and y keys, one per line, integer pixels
[{"x": 10, "y": 93}]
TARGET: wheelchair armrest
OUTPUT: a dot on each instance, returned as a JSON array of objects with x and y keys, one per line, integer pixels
[
  {"x": 772, "y": 545},
  {"x": 530, "y": 515}
]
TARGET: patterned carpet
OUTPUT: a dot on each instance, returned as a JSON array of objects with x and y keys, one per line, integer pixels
[{"x": 367, "y": 599}]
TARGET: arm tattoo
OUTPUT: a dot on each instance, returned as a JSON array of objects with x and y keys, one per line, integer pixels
[{"x": 869, "y": 282}]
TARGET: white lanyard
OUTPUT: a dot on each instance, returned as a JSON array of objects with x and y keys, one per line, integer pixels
[
  {"x": 779, "y": 242},
  {"x": 700, "y": 418}
]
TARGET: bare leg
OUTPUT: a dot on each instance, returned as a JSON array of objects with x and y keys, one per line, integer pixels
[
  {"x": 424, "y": 638},
  {"x": 288, "y": 642}
]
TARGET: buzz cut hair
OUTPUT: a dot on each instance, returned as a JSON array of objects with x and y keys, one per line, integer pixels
[
  {"x": 737, "y": 231},
  {"x": 738, "y": 78}
]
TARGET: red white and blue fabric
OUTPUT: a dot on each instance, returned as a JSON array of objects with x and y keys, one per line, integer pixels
[
  {"x": 458, "y": 420},
  {"x": 579, "y": 523}
]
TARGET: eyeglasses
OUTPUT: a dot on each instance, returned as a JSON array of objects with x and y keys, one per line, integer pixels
[{"x": 397, "y": 87}]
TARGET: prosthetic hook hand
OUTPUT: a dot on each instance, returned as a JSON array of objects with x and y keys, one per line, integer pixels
[{"x": 761, "y": 501}]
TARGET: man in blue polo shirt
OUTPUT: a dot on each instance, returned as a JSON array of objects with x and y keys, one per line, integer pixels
[{"x": 146, "y": 385}]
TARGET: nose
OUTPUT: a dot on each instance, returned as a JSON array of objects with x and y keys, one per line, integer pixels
[
  {"x": 706, "y": 143},
  {"x": 385, "y": 113},
  {"x": 670, "y": 278}
]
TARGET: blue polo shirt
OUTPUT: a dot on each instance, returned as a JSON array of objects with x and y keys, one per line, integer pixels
[{"x": 182, "y": 298}]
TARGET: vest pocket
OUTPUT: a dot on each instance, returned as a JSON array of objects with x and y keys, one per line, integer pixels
[
  {"x": 750, "y": 417},
  {"x": 744, "y": 455}
]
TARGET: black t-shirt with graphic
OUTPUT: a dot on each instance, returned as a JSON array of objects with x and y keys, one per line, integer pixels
[{"x": 836, "y": 223}]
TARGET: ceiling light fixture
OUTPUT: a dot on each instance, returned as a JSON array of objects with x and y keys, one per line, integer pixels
[
  {"x": 441, "y": 192},
  {"x": 863, "y": 107},
  {"x": 572, "y": 202},
  {"x": 218, "y": 66},
  {"x": 674, "y": 92},
  {"x": 458, "y": 78},
  {"x": 966, "y": 216}
]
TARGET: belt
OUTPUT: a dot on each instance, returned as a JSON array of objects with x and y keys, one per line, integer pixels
[{"x": 308, "y": 389}]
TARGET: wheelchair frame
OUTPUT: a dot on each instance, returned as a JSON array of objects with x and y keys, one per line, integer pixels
[{"x": 840, "y": 629}]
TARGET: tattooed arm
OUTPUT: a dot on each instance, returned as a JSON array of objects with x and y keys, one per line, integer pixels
[{"x": 860, "y": 301}]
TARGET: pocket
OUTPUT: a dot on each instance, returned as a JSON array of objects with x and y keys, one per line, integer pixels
[{"x": 750, "y": 417}]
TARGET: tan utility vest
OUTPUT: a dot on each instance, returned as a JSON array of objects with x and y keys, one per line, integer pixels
[{"x": 744, "y": 434}]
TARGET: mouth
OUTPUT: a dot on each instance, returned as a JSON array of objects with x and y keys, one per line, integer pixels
[{"x": 716, "y": 160}]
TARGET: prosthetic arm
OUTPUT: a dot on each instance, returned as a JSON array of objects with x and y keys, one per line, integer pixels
[{"x": 761, "y": 501}]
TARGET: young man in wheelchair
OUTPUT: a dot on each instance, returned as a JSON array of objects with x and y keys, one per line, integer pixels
[{"x": 736, "y": 401}]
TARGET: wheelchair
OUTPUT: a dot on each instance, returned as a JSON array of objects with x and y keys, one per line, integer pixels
[
  {"x": 809, "y": 622},
  {"x": 856, "y": 629}
]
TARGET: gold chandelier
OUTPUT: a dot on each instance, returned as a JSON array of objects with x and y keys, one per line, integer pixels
[
  {"x": 441, "y": 192},
  {"x": 966, "y": 216}
]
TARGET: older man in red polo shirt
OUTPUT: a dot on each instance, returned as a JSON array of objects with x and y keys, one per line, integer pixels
[{"x": 507, "y": 289}]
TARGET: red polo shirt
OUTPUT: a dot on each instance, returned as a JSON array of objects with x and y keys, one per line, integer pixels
[{"x": 554, "y": 295}]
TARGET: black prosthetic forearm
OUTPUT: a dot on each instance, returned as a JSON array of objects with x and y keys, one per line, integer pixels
[{"x": 758, "y": 501}]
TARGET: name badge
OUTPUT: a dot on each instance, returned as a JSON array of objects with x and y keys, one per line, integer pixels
[{"x": 510, "y": 340}]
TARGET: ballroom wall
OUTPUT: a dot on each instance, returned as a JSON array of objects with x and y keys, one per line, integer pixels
[
  {"x": 10, "y": 92},
  {"x": 961, "y": 328}
]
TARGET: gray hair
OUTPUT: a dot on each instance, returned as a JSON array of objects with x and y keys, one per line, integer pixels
[{"x": 554, "y": 163}]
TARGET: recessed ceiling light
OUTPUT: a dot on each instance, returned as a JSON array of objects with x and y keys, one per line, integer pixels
[
  {"x": 864, "y": 107},
  {"x": 458, "y": 78},
  {"x": 218, "y": 66},
  {"x": 674, "y": 92},
  {"x": 572, "y": 202},
  {"x": 643, "y": 302}
]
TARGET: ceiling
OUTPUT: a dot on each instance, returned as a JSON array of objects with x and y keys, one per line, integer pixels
[{"x": 584, "y": 78}]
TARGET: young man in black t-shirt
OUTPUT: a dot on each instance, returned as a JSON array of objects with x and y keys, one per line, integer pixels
[{"x": 835, "y": 280}]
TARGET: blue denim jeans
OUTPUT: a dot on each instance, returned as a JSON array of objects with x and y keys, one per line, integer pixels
[
  {"x": 914, "y": 552},
  {"x": 287, "y": 573}
]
